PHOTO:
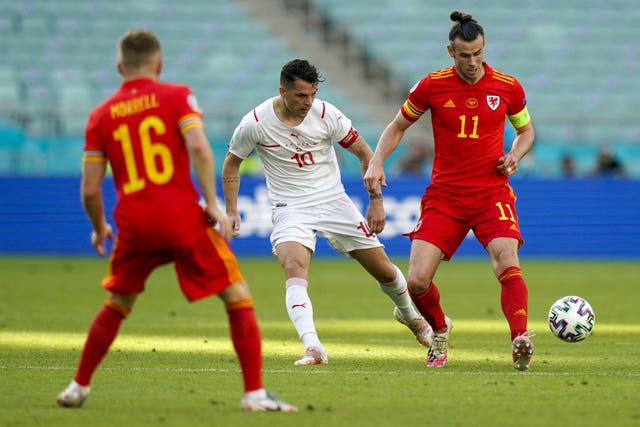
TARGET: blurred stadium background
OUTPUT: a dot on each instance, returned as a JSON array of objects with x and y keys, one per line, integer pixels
[{"x": 577, "y": 59}]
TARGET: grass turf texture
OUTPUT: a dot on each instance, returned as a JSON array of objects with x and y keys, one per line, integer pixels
[{"x": 173, "y": 364}]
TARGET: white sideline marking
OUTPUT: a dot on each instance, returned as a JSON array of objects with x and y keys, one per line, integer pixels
[{"x": 327, "y": 371}]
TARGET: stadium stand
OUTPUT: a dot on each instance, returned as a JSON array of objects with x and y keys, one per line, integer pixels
[
  {"x": 60, "y": 62},
  {"x": 577, "y": 61}
]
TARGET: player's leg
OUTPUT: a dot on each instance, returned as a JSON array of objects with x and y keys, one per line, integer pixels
[
  {"x": 245, "y": 336},
  {"x": 345, "y": 228},
  {"x": 392, "y": 283},
  {"x": 424, "y": 260},
  {"x": 206, "y": 267},
  {"x": 390, "y": 279},
  {"x": 498, "y": 231},
  {"x": 102, "y": 333},
  {"x": 245, "y": 333},
  {"x": 128, "y": 272},
  {"x": 514, "y": 297},
  {"x": 496, "y": 228},
  {"x": 437, "y": 235},
  {"x": 293, "y": 240},
  {"x": 514, "y": 294},
  {"x": 295, "y": 259}
]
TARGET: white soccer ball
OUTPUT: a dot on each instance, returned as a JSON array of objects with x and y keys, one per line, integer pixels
[{"x": 571, "y": 318}]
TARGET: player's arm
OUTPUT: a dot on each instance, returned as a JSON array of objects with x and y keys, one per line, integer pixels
[
  {"x": 376, "y": 216},
  {"x": 201, "y": 157},
  {"x": 522, "y": 143},
  {"x": 230, "y": 188},
  {"x": 387, "y": 143},
  {"x": 93, "y": 171},
  {"x": 363, "y": 152}
]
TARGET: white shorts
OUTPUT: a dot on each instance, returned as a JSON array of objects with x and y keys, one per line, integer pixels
[{"x": 338, "y": 221}]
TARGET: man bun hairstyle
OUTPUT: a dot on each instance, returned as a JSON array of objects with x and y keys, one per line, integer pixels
[{"x": 465, "y": 28}]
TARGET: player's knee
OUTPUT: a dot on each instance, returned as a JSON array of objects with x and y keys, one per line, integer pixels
[
  {"x": 245, "y": 302},
  {"x": 235, "y": 291},
  {"x": 417, "y": 286},
  {"x": 118, "y": 307},
  {"x": 388, "y": 275}
]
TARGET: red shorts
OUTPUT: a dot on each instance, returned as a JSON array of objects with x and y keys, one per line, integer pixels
[
  {"x": 203, "y": 261},
  {"x": 445, "y": 220}
]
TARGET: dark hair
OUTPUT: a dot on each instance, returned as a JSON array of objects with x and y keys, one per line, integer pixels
[
  {"x": 465, "y": 27},
  {"x": 137, "y": 47},
  {"x": 299, "y": 69}
]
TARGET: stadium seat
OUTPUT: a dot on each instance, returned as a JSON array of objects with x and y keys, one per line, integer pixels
[{"x": 584, "y": 67}]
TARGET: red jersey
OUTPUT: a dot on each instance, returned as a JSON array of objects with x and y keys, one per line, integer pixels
[
  {"x": 468, "y": 126},
  {"x": 139, "y": 131}
]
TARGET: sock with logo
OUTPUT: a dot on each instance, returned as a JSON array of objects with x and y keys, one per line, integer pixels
[
  {"x": 300, "y": 311},
  {"x": 397, "y": 292},
  {"x": 514, "y": 300}
]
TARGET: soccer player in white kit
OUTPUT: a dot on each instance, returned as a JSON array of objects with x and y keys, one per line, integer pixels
[{"x": 293, "y": 135}]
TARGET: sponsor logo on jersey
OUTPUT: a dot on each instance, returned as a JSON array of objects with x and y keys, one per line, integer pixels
[{"x": 471, "y": 103}]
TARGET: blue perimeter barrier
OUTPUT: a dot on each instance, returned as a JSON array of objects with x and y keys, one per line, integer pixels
[{"x": 596, "y": 218}]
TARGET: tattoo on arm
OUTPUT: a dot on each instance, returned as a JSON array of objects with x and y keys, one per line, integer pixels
[{"x": 230, "y": 179}]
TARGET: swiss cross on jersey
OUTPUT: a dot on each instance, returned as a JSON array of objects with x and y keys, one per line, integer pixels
[{"x": 493, "y": 101}]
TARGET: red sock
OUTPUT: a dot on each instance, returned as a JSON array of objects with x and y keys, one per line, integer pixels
[
  {"x": 101, "y": 334},
  {"x": 245, "y": 336},
  {"x": 428, "y": 304},
  {"x": 514, "y": 299}
]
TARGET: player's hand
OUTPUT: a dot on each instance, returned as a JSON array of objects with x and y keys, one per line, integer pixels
[
  {"x": 374, "y": 178},
  {"x": 235, "y": 219},
  {"x": 98, "y": 238},
  {"x": 217, "y": 217},
  {"x": 507, "y": 165},
  {"x": 376, "y": 216}
]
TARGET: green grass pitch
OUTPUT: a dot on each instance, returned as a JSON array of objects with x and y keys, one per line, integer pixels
[{"x": 173, "y": 364}]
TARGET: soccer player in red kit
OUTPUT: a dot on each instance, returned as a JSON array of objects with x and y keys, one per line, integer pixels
[
  {"x": 150, "y": 133},
  {"x": 469, "y": 189}
]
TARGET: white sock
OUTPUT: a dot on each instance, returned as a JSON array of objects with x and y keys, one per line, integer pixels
[
  {"x": 300, "y": 311},
  {"x": 256, "y": 394},
  {"x": 73, "y": 385},
  {"x": 398, "y": 293}
]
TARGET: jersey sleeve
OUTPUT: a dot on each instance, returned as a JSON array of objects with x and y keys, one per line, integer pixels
[
  {"x": 416, "y": 104},
  {"x": 189, "y": 113},
  {"x": 517, "y": 113},
  {"x": 340, "y": 126},
  {"x": 93, "y": 144},
  {"x": 518, "y": 99},
  {"x": 244, "y": 137}
]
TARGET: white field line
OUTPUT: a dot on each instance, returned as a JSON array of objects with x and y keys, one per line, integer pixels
[{"x": 325, "y": 371}]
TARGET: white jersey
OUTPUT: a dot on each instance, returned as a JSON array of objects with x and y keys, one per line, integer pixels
[{"x": 299, "y": 162}]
